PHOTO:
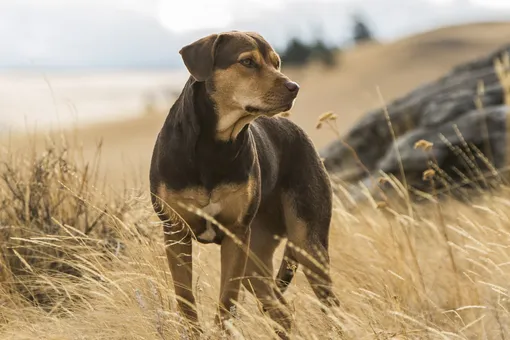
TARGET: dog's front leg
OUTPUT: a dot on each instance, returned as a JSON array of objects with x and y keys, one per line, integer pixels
[
  {"x": 178, "y": 248},
  {"x": 233, "y": 266}
]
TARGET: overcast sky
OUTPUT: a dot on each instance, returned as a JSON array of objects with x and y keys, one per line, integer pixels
[
  {"x": 150, "y": 32},
  {"x": 187, "y": 15},
  {"x": 184, "y": 15}
]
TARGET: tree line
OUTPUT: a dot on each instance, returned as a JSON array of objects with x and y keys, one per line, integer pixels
[{"x": 299, "y": 53}]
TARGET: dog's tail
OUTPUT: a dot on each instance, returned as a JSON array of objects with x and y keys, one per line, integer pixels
[{"x": 287, "y": 270}]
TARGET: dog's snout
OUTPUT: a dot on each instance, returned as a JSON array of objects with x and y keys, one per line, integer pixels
[{"x": 292, "y": 86}]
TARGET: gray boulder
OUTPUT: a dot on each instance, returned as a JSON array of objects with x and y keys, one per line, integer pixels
[{"x": 464, "y": 116}]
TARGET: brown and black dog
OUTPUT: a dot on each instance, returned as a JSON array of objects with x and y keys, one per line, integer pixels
[{"x": 222, "y": 150}]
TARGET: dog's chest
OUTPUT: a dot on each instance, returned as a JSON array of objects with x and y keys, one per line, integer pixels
[
  {"x": 227, "y": 204},
  {"x": 210, "y": 232},
  {"x": 211, "y": 205}
]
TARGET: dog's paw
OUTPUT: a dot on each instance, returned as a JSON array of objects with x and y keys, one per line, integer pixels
[
  {"x": 226, "y": 322},
  {"x": 282, "y": 316}
]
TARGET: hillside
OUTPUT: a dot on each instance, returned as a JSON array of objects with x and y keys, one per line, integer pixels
[
  {"x": 349, "y": 90},
  {"x": 395, "y": 68}
]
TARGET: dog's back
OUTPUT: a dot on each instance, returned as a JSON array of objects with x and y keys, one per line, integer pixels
[{"x": 286, "y": 156}]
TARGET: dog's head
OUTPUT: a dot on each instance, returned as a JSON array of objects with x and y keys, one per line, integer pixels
[{"x": 242, "y": 73}]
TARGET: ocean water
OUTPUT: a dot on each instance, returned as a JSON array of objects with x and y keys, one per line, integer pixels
[{"x": 38, "y": 100}]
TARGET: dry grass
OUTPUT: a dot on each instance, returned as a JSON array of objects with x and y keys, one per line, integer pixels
[{"x": 82, "y": 261}]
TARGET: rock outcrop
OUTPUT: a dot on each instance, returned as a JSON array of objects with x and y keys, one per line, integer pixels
[{"x": 464, "y": 115}]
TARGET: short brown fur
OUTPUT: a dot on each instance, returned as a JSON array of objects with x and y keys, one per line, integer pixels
[{"x": 222, "y": 150}]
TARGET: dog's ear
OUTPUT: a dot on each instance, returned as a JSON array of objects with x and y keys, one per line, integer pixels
[{"x": 199, "y": 57}]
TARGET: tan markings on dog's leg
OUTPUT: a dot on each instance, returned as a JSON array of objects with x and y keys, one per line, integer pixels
[
  {"x": 311, "y": 252},
  {"x": 287, "y": 270},
  {"x": 259, "y": 274},
  {"x": 180, "y": 258},
  {"x": 233, "y": 266},
  {"x": 178, "y": 248},
  {"x": 236, "y": 206}
]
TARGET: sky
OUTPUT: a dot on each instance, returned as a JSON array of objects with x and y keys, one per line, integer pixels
[
  {"x": 181, "y": 16},
  {"x": 81, "y": 33}
]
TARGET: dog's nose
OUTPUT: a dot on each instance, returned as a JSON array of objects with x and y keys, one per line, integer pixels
[{"x": 292, "y": 86}]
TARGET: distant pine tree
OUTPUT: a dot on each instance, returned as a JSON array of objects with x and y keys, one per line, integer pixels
[
  {"x": 362, "y": 32},
  {"x": 296, "y": 53},
  {"x": 323, "y": 53}
]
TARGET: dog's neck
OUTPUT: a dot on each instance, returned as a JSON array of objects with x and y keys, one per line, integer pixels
[
  {"x": 231, "y": 123},
  {"x": 225, "y": 124},
  {"x": 196, "y": 116},
  {"x": 191, "y": 153},
  {"x": 231, "y": 119}
]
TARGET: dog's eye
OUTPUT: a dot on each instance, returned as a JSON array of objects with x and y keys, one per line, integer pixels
[{"x": 247, "y": 62}]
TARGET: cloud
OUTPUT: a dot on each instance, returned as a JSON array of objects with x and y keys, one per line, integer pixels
[
  {"x": 127, "y": 33},
  {"x": 83, "y": 37},
  {"x": 143, "y": 6}
]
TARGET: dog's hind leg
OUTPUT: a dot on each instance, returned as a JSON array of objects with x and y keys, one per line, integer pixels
[
  {"x": 287, "y": 270},
  {"x": 308, "y": 242},
  {"x": 259, "y": 278}
]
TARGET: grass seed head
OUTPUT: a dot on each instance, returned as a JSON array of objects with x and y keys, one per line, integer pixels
[
  {"x": 428, "y": 174},
  {"x": 423, "y": 145}
]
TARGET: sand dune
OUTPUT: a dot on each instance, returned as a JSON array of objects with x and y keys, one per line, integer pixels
[{"x": 349, "y": 90}]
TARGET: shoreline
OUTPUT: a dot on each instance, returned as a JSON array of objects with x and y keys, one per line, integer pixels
[{"x": 44, "y": 100}]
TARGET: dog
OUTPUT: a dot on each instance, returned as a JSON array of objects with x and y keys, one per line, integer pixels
[{"x": 225, "y": 150}]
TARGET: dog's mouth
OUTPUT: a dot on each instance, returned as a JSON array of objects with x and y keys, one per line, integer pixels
[{"x": 274, "y": 110}]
